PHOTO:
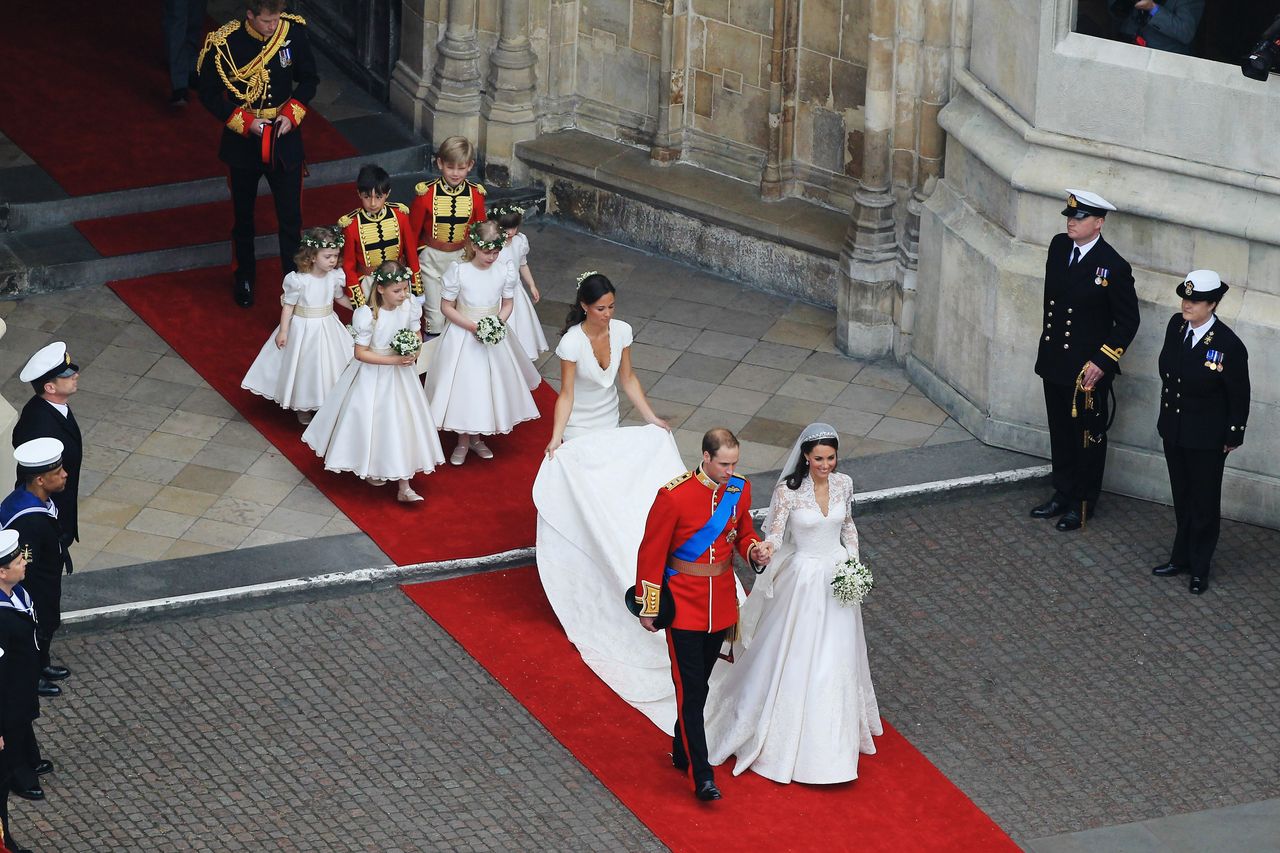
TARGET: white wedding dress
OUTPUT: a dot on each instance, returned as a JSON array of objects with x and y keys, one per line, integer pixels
[
  {"x": 593, "y": 497},
  {"x": 798, "y": 705}
]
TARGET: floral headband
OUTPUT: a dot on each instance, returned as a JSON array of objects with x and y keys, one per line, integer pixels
[
  {"x": 487, "y": 245},
  {"x": 380, "y": 277},
  {"x": 585, "y": 275},
  {"x": 506, "y": 209},
  {"x": 335, "y": 240}
]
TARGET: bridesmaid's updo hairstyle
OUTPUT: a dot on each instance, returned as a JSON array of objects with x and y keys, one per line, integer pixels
[
  {"x": 591, "y": 286},
  {"x": 796, "y": 477}
]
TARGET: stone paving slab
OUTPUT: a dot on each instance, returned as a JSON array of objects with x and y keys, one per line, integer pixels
[
  {"x": 1251, "y": 828},
  {"x": 1048, "y": 675}
]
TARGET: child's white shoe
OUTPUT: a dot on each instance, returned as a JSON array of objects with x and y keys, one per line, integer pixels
[
  {"x": 459, "y": 455},
  {"x": 482, "y": 450}
]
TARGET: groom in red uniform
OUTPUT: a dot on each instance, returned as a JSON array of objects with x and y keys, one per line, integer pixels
[{"x": 696, "y": 522}]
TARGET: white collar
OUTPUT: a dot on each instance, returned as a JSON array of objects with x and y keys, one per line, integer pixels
[
  {"x": 61, "y": 407},
  {"x": 1198, "y": 334},
  {"x": 1084, "y": 250}
]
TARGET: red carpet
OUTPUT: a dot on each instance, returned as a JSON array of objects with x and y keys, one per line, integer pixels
[
  {"x": 482, "y": 507},
  {"x": 900, "y": 803},
  {"x": 207, "y": 223},
  {"x": 84, "y": 95}
]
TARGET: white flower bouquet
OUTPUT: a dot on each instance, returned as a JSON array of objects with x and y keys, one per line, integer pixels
[
  {"x": 405, "y": 342},
  {"x": 852, "y": 582},
  {"x": 490, "y": 331}
]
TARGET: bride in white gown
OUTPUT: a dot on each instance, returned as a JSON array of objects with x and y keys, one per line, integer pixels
[
  {"x": 798, "y": 705},
  {"x": 593, "y": 494}
]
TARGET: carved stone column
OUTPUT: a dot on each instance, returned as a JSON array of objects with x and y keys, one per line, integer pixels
[
  {"x": 668, "y": 137},
  {"x": 782, "y": 98},
  {"x": 508, "y": 107},
  {"x": 411, "y": 78},
  {"x": 864, "y": 299},
  {"x": 453, "y": 99}
]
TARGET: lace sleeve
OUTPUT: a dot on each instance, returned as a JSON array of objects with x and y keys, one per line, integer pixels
[
  {"x": 783, "y": 499},
  {"x": 848, "y": 530}
]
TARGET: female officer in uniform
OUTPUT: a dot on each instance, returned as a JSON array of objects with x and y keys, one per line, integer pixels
[{"x": 1204, "y": 404}]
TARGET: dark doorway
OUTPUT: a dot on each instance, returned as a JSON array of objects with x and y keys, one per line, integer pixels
[{"x": 362, "y": 37}]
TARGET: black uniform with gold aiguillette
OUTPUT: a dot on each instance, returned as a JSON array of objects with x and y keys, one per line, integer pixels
[
  {"x": 1090, "y": 315},
  {"x": 244, "y": 76},
  {"x": 1204, "y": 408}
]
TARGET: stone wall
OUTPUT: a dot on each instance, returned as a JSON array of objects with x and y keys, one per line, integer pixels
[
  {"x": 707, "y": 82},
  {"x": 1117, "y": 119}
]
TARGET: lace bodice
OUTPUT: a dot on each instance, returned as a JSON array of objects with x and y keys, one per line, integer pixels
[{"x": 796, "y": 517}]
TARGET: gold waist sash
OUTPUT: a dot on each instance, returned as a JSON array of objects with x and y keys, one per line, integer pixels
[
  {"x": 312, "y": 313},
  {"x": 266, "y": 113},
  {"x": 475, "y": 312}
]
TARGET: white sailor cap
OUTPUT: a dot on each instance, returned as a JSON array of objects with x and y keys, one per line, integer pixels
[
  {"x": 1203, "y": 286},
  {"x": 48, "y": 362},
  {"x": 9, "y": 546},
  {"x": 1082, "y": 203},
  {"x": 38, "y": 455}
]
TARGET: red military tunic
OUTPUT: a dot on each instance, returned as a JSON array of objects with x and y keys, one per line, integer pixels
[
  {"x": 386, "y": 236},
  {"x": 680, "y": 510},
  {"x": 440, "y": 216}
]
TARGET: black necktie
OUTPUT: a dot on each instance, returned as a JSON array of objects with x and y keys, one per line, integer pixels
[
  {"x": 1075, "y": 258},
  {"x": 1187, "y": 343}
]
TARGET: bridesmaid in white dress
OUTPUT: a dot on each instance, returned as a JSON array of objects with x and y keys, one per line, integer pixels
[
  {"x": 798, "y": 705},
  {"x": 376, "y": 422},
  {"x": 524, "y": 320},
  {"x": 478, "y": 389},
  {"x": 593, "y": 494},
  {"x": 306, "y": 353}
]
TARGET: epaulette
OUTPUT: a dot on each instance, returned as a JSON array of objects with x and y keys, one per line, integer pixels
[
  {"x": 297, "y": 19},
  {"x": 216, "y": 38},
  {"x": 479, "y": 187},
  {"x": 348, "y": 218},
  {"x": 678, "y": 480},
  {"x": 422, "y": 186},
  {"x": 403, "y": 208}
]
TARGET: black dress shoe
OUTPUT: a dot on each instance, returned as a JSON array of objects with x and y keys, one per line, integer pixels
[
  {"x": 682, "y": 766},
  {"x": 1165, "y": 570},
  {"x": 1071, "y": 520},
  {"x": 244, "y": 294},
  {"x": 1198, "y": 585},
  {"x": 55, "y": 673},
  {"x": 43, "y": 767},
  {"x": 36, "y": 793},
  {"x": 707, "y": 791},
  {"x": 48, "y": 688},
  {"x": 1049, "y": 509}
]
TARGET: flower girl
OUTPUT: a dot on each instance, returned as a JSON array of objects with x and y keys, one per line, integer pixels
[
  {"x": 480, "y": 379},
  {"x": 376, "y": 422},
  {"x": 308, "y": 350},
  {"x": 524, "y": 320}
]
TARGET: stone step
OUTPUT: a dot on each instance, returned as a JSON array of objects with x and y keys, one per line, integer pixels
[
  {"x": 53, "y": 212},
  {"x": 60, "y": 258}
]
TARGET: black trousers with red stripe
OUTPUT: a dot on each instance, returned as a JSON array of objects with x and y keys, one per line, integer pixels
[{"x": 693, "y": 654}]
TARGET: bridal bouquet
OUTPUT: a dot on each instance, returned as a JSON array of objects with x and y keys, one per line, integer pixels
[
  {"x": 405, "y": 342},
  {"x": 852, "y": 582},
  {"x": 490, "y": 331}
]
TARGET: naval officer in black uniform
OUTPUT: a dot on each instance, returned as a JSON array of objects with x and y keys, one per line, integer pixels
[
  {"x": 1204, "y": 406},
  {"x": 1090, "y": 316},
  {"x": 257, "y": 77}
]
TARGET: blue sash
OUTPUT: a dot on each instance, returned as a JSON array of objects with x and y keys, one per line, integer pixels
[{"x": 698, "y": 543}]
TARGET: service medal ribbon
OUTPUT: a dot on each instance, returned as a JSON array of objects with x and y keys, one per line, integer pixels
[
  {"x": 1213, "y": 359},
  {"x": 286, "y": 58}
]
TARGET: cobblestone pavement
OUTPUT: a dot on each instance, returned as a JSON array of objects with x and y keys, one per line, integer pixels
[
  {"x": 225, "y": 733},
  {"x": 1049, "y": 675}
]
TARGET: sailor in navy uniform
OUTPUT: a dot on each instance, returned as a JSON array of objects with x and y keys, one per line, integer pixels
[
  {"x": 1090, "y": 317},
  {"x": 20, "y": 763},
  {"x": 257, "y": 76},
  {"x": 1204, "y": 407},
  {"x": 54, "y": 377},
  {"x": 30, "y": 510}
]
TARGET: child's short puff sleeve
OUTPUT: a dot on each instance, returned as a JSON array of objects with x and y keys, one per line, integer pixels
[
  {"x": 362, "y": 322},
  {"x": 293, "y": 284},
  {"x": 338, "y": 281},
  {"x": 451, "y": 284},
  {"x": 509, "y": 280}
]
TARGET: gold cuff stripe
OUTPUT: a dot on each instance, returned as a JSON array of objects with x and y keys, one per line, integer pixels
[
  {"x": 1112, "y": 353},
  {"x": 650, "y": 598}
]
